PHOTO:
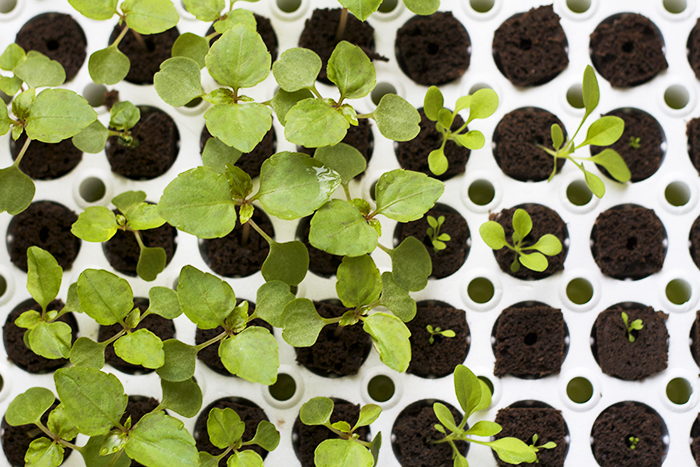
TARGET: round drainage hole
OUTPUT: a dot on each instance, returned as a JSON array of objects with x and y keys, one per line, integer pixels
[
  {"x": 284, "y": 389},
  {"x": 678, "y": 291},
  {"x": 92, "y": 189},
  {"x": 481, "y": 6},
  {"x": 675, "y": 6},
  {"x": 677, "y": 194},
  {"x": 7, "y": 6},
  {"x": 3, "y": 285},
  {"x": 578, "y": 6},
  {"x": 381, "y": 388},
  {"x": 481, "y": 192},
  {"x": 578, "y": 193},
  {"x": 579, "y": 390},
  {"x": 95, "y": 94},
  {"x": 387, "y": 6},
  {"x": 289, "y": 6},
  {"x": 574, "y": 96},
  {"x": 676, "y": 97},
  {"x": 679, "y": 390},
  {"x": 579, "y": 291},
  {"x": 480, "y": 290},
  {"x": 381, "y": 90},
  {"x": 487, "y": 382}
]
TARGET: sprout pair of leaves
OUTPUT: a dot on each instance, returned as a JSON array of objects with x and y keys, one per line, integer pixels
[
  {"x": 437, "y": 331},
  {"x": 225, "y": 429},
  {"x": 347, "y": 450},
  {"x": 99, "y": 224},
  {"x": 495, "y": 237},
  {"x": 314, "y": 121},
  {"x": 433, "y": 232},
  {"x": 547, "y": 445},
  {"x": 110, "y": 65},
  {"x": 50, "y": 116},
  {"x": 93, "y": 403},
  {"x": 123, "y": 117},
  {"x": 603, "y": 132},
  {"x": 635, "y": 325},
  {"x": 482, "y": 104},
  {"x": 473, "y": 395}
]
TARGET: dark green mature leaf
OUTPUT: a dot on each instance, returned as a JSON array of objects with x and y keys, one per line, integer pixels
[
  {"x": 351, "y": 70},
  {"x": 95, "y": 9},
  {"x": 50, "y": 340},
  {"x": 38, "y": 70},
  {"x": 180, "y": 361},
  {"x": 284, "y": 101},
  {"x": 359, "y": 282},
  {"x": 29, "y": 406},
  {"x": 43, "y": 452},
  {"x": 293, "y": 185},
  {"x": 159, "y": 440},
  {"x": 16, "y": 190},
  {"x": 164, "y": 302},
  {"x": 44, "y": 276},
  {"x": 11, "y": 57},
  {"x": 151, "y": 263},
  {"x": 468, "y": 390},
  {"x": 199, "y": 202},
  {"x": 513, "y": 450},
  {"x": 205, "y": 10},
  {"x": 92, "y": 138},
  {"x": 297, "y": 69},
  {"x": 141, "y": 347},
  {"x": 108, "y": 66},
  {"x": 191, "y": 46},
  {"x": 342, "y": 453},
  {"x": 204, "y": 298},
  {"x": 95, "y": 224},
  {"x": 91, "y": 455},
  {"x": 405, "y": 196},
  {"x": 422, "y": 7},
  {"x": 390, "y": 337},
  {"x": 178, "y": 81},
  {"x": 604, "y": 131},
  {"x": 271, "y": 299},
  {"x": 183, "y": 397},
  {"x": 397, "y": 299},
  {"x": 591, "y": 92},
  {"x": 344, "y": 159},
  {"x": 252, "y": 355},
  {"x": 493, "y": 235},
  {"x": 58, "y": 114},
  {"x": 362, "y": 9},
  {"x": 286, "y": 262},
  {"x": 105, "y": 297},
  {"x": 239, "y": 58},
  {"x": 93, "y": 401},
  {"x": 266, "y": 436},
  {"x": 242, "y": 126},
  {"x": 433, "y": 103},
  {"x": 339, "y": 228},
  {"x": 216, "y": 155},
  {"x": 313, "y": 123},
  {"x": 301, "y": 323},
  {"x": 86, "y": 352},
  {"x": 614, "y": 164},
  {"x": 411, "y": 264},
  {"x": 396, "y": 118},
  {"x": 150, "y": 16},
  {"x": 316, "y": 411},
  {"x": 224, "y": 427}
]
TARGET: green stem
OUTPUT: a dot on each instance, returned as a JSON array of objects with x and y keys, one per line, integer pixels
[
  {"x": 384, "y": 249},
  {"x": 260, "y": 231},
  {"x": 116, "y": 458},
  {"x": 315, "y": 92},
  {"x": 140, "y": 40},
  {"x": 347, "y": 192},
  {"x": 121, "y": 36},
  {"x": 211, "y": 341},
  {"x": 56, "y": 438},
  {"x": 212, "y": 36},
  {"x": 341, "y": 25},
  {"x": 22, "y": 152},
  {"x": 114, "y": 337}
]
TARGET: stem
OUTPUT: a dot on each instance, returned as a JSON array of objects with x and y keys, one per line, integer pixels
[
  {"x": 121, "y": 36},
  {"x": 212, "y": 36},
  {"x": 54, "y": 437},
  {"x": 114, "y": 337},
  {"x": 210, "y": 342},
  {"x": 246, "y": 233},
  {"x": 315, "y": 92},
  {"x": 260, "y": 231},
  {"x": 139, "y": 240},
  {"x": 140, "y": 40},
  {"x": 22, "y": 152},
  {"x": 341, "y": 25},
  {"x": 384, "y": 249},
  {"x": 116, "y": 458},
  {"x": 347, "y": 192}
]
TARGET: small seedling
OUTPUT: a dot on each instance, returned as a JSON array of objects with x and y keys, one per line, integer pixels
[
  {"x": 348, "y": 445},
  {"x": 633, "y": 442},
  {"x": 123, "y": 116},
  {"x": 603, "y": 132},
  {"x": 436, "y": 331},
  {"x": 635, "y": 325},
  {"x": 494, "y": 236},
  {"x": 634, "y": 142},
  {"x": 437, "y": 239},
  {"x": 548, "y": 445}
]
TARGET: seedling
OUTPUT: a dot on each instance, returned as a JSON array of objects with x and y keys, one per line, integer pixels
[
  {"x": 348, "y": 447},
  {"x": 603, "y": 132},
  {"x": 494, "y": 236},
  {"x": 548, "y": 445},
  {"x": 473, "y": 395},
  {"x": 437, "y": 239},
  {"x": 99, "y": 224},
  {"x": 123, "y": 116},
  {"x": 633, "y": 440},
  {"x": 635, "y": 325},
  {"x": 635, "y": 142},
  {"x": 482, "y": 104},
  {"x": 436, "y": 331}
]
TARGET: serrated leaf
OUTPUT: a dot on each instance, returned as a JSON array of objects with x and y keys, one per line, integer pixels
[
  {"x": 204, "y": 298},
  {"x": 159, "y": 440},
  {"x": 406, "y": 196},
  {"x": 493, "y": 235},
  {"x": 191, "y": 46},
  {"x": 150, "y": 16},
  {"x": 286, "y": 262},
  {"x": 104, "y": 297},
  {"x": 316, "y": 411},
  {"x": 390, "y": 337},
  {"x": 397, "y": 299},
  {"x": 433, "y": 103},
  {"x": 301, "y": 323},
  {"x": 411, "y": 264},
  {"x": 43, "y": 452},
  {"x": 92, "y": 138},
  {"x": 342, "y": 158},
  {"x": 95, "y": 224},
  {"x": 88, "y": 353},
  {"x": 11, "y": 57},
  {"x": 614, "y": 164},
  {"x": 16, "y": 190},
  {"x": 58, "y": 114},
  {"x": 351, "y": 70},
  {"x": 297, "y": 69},
  {"x": 50, "y": 340},
  {"x": 180, "y": 361},
  {"x": 242, "y": 126},
  {"x": 251, "y": 355},
  {"x": 239, "y": 58},
  {"x": 108, "y": 66},
  {"x": 141, "y": 347},
  {"x": 38, "y": 70},
  {"x": 29, "y": 406},
  {"x": 59, "y": 424},
  {"x": 183, "y": 397},
  {"x": 313, "y": 123},
  {"x": 44, "y": 276},
  {"x": 339, "y": 228},
  {"x": 178, "y": 81},
  {"x": 396, "y": 118},
  {"x": 359, "y": 282}
]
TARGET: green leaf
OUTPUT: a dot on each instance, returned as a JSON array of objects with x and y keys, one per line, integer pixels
[
  {"x": 11, "y": 57},
  {"x": 437, "y": 162},
  {"x": 266, "y": 436},
  {"x": 143, "y": 216},
  {"x": 473, "y": 139},
  {"x": 207, "y": 460},
  {"x": 58, "y": 114},
  {"x": 548, "y": 244},
  {"x": 293, "y": 185},
  {"x": 241, "y": 187},
  {"x": 44, "y": 276},
  {"x": 591, "y": 92},
  {"x": 10, "y": 85},
  {"x": 339, "y": 228},
  {"x": 271, "y": 299},
  {"x": 60, "y": 425},
  {"x": 594, "y": 183},
  {"x": 180, "y": 361},
  {"x": 38, "y": 70},
  {"x": 342, "y": 453},
  {"x": 216, "y": 155},
  {"x": 93, "y": 401},
  {"x": 361, "y": 9},
  {"x": 533, "y": 261},
  {"x": 468, "y": 390},
  {"x": 301, "y": 323},
  {"x": 159, "y": 440},
  {"x": 242, "y": 126},
  {"x": 95, "y": 224},
  {"x": 239, "y": 58},
  {"x": 151, "y": 263},
  {"x": 141, "y": 347},
  {"x": 205, "y": 10},
  {"x": 445, "y": 417},
  {"x": 95, "y": 9},
  {"x": 411, "y": 264},
  {"x": 342, "y": 158},
  {"x": 124, "y": 201},
  {"x": 484, "y": 428},
  {"x": 91, "y": 455},
  {"x": 286, "y": 262},
  {"x": 604, "y": 131},
  {"x": 445, "y": 119},
  {"x": 21, "y": 105},
  {"x": 614, "y": 164},
  {"x": 105, "y": 297},
  {"x": 204, "y": 298},
  {"x": 88, "y": 353},
  {"x": 92, "y": 138},
  {"x": 390, "y": 337},
  {"x": 284, "y": 101},
  {"x": 235, "y": 17},
  {"x": 522, "y": 224},
  {"x": 191, "y": 46},
  {"x": 297, "y": 69},
  {"x": 396, "y": 118},
  {"x": 368, "y": 414},
  {"x": 150, "y": 16},
  {"x": 313, "y": 123},
  {"x": 422, "y": 7},
  {"x": 483, "y": 104},
  {"x": 164, "y": 302},
  {"x": 493, "y": 235},
  {"x": 406, "y": 196},
  {"x": 433, "y": 103},
  {"x": 178, "y": 81},
  {"x": 252, "y": 355},
  {"x": 557, "y": 136},
  {"x": 316, "y": 411},
  {"x": 108, "y": 66},
  {"x": 29, "y": 406},
  {"x": 199, "y": 202},
  {"x": 351, "y": 70},
  {"x": 29, "y": 319},
  {"x": 244, "y": 459},
  {"x": 43, "y": 452},
  {"x": 359, "y": 282},
  {"x": 183, "y": 397},
  {"x": 513, "y": 451},
  {"x": 124, "y": 115},
  {"x": 397, "y": 299},
  {"x": 225, "y": 427},
  {"x": 16, "y": 190},
  {"x": 50, "y": 340}
]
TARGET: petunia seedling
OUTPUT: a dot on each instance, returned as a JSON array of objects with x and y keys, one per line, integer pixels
[
  {"x": 634, "y": 142},
  {"x": 494, "y": 236},
  {"x": 437, "y": 331},
  {"x": 635, "y": 325},
  {"x": 123, "y": 116},
  {"x": 547, "y": 445},
  {"x": 482, "y": 104},
  {"x": 603, "y": 132},
  {"x": 437, "y": 238},
  {"x": 633, "y": 441},
  {"x": 348, "y": 445}
]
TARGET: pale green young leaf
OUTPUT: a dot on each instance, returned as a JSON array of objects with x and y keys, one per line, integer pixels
[
  {"x": 204, "y": 298},
  {"x": 339, "y": 228},
  {"x": 199, "y": 202},
  {"x": 159, "y": 440},
  {"x": 594, "y": 183},
  {"x": 604, "y": 131},
  {"x": 50, "y": 340},
  {"x": 241, "y": 187},
  {"x": 141, "y": 347},
  {"x": 283, "y": 102},
  {"x": 73, "y": 300},
  {"x": 351, "y": 70},
  {"x": 513, "y": 450},
  {"x": 293, "y": 185},
  {"x": 522, "y": 223},
  {"x": 239, "y": 58},
  {"x": 180, "y": 361},
  {"x": 151, "y": 263},
  {"x": 460, "y": 461},
  {"x": 437, "y": 162},
  {"x": 301, "y": 323},
  {"x": 342, "y": 453},
  {"x": 368, "y": 414},
  {"x": 390, "y": 337},
  {"x": 92, "y": 138},
  {"x": 313, "y": 123},
  {"x": 5, "y": 120},
  {"x": 164, "y": 302},
  {"x": 183, "y": 397},
  {"x": 216, "y": 155},
  {"x": 11, "y": 57},
  {"x": 58, "y": 114},
  {"x": 124, "y": 201},
  {"x": 271, "y": 299},
  {"x": 104, "y": 296},
  {"x": 591, "y": 92},
  {"x": 43, "y": 452},
  {"x": 614, "y": 164},
  {"x": 178, "y": 81},
  {"x": 143, "y": 216},
  {"x": 205, "y": 10},
  {"x": 361, "y": 9},
  {"x": 252, "y": 355},
  {"x": 473, "y": 139},
  {"x": 406, "y": 196},
  {"x": 484, "y": 428},
  {"x": 397, "y": 299},
  {"x": 88, "y": 353},
  {"x": 467, "y": 389},
  {"x": 44, "y": 276},
  {"x": 91, "y": 455},
  {"x": 411, "y": 264},
  {"x": 10, "y": 85},
  {"x": 21, "y": 105},
  {"x": 93, "y": 401},
  {"x": 150, "y": 16},
  {"x": 462, "y": 103},
  {"x": 235, "y": 17},
  {"x": 95, "y": 224},
  {"x": 342, "y": 158},
  {"x": 359, "y": 282},
  {"x": 286, "y": 262},
  {"x": 548, "y": 244},
  {"x": 493, "y": 235},
  {"x": 59, "y": 424},
  {"x": 16, "y": 190},
  {"x": 108, "y": 66},
  {"x": 191, "y": 46},
  {"x": 533, "y": 261},
  {"x": 38, "y": 70},
  {"x": 244, "y": 459},
  {"x": 557, "y": 136},
  {"x": 124, "y": 115},
  {"x": 29, "y": 406},
  {"x": 396, "y": 118},
  {"x": 445, "y": 417},
  {"x": 224, "y": 427},
  {"x": 316, "y": 411},
  {"x": 95, "y": 9},
  {"x": 266, "y": 436},
  {"x": 483, "y": 104},
  {"x": 29, "y": 319},
  {"x": 207, "y": 460},
  {"x": 445, "y": 119},
  {"x": 297, "y": 69},
  {"x": 242, "y": 126},
  {"x": 422, "y": 7},
  {"x": 433, "y": 103}
]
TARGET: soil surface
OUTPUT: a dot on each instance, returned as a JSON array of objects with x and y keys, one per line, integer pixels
[
  {"x": 525, "y": 422},
  {"x": 695, "y": 242},
  {"x": 43, "y": 161},
  {"x": 145, "y": 62},
  {"x": 693, "y": 133},
  {"x": 694, "y": 49},
  {"x": 249, "y": 162}
]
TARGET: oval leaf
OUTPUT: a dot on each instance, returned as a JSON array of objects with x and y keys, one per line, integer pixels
[
  {"x": 342, "y": 453},
  {"x": 86, "y": 352},
  {"x": 411, "y": 264},
  {"x": 104, "y": 296},
  {"x": 396, "y": 118},
  {"x": 204, "y": 298},
  {"x": 178, "y": 81},
  {"x": 351, "y": 70},
  {"x": 205, "y": 10},
  {"x": 180, "y": 361},
  {"x": 44, "y": 276},
  {"x": 614, "y": 164},
  {"x": 252, "y": 355},
  {"x": 50, "y": 340},
  {"x": 29, "y": 406},
  {"x": 406, "y": 196},
  {"x": 92, "y": 138},
  {"x": 150, "y": 16},
  {"x": 95, "y": 9},
  {"x": 38, "y": 70},
  {"x": 548, "y": 244},
  {"x": 604, "y": 131},
  {"x": 397, "y": 299},
  {"x": 297, "y": 69},
  {"x": 141, "y": 348},
  {"x": 301, "y": 323},
  {"x": 433, "y": 103},
  {"x": 422, "y": 7},
  {"x": 493, "y": 235},
  {"x": 316, "y": 411},
  {"x": 184, "y": 397},
  {"x": 313, "y": 123},
  {"x": 534, "y": 261},
  {"x": 342, "y": 158},
  {"x": 151, "y": 263},
  {"x": 241, "y": 126},
  {"x": 16, "y": 190},
  {"x": 390, "y": 338},
  {"x": 483, "y": 104},
  {"x": 522, "y": 223},
  {"x": 359, "y": 282},
  {"x": 108, "y": 66},
  {"x": 159, "y": 440},
  {"x": 191, "y": 46},
  {"x": 286, "y": 262},
  {"x": 95, "y": 224}
]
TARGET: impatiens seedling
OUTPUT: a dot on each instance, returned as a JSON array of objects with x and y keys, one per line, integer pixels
[
  {"x": 99, "y": 224},
  {"x": 473, "y": 395},
  {"x": 225, "y": 429},
  {"x": 348, "y": 450},
  {"x": 438, "y": 239},
  {"x": 123, "y": 116},
  {"x": 436, "y": 331},
  {"x": 50, "y": 116},
  {"x": 635, "y": 142},
  {"x": 635, "y": 325},
  {"x": 494, "y": 236},
  {"x": 110, "y": 65},
  {"x": 603, "y": 132},
  {"x": 482, "y": 104}
]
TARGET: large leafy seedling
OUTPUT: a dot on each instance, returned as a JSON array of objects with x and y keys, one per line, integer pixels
[{"x": 123, "y": 116}]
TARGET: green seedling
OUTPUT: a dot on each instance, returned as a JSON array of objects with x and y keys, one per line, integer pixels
[
  {"x": 436, "y": 331},
  {"x": 110, "y": 65},
  {"x": 482, "y": 104},
  {"x": 123, "y": 116},
  {"x": 494, "y": 236},
  {"x": 473, "y": 395},
  {"x": 49, "y": 116},
  {"x": 547, "y": 445},
  {"x": 437, "y": 239},
  {"x": 635, "y": 325},
  {"x": 99, "y": 224},
  {"x": 635, "y": 142},
  {"x": 347, "y": 449},
  {"x": 633, "y": 442},
  {"x": 603, "y": 132}
]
